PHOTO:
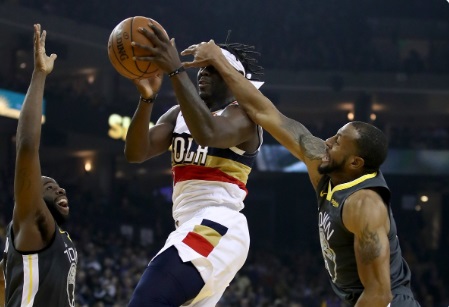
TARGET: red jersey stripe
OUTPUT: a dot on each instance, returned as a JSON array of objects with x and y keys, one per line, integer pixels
[
  {"x": 198, "y": 244},
  {"x": 195, "y": 172}
]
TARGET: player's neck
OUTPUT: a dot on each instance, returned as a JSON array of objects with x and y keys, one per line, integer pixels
[
  {"x": 340, "y": 178},
  {"x": 219, "y": 105}
]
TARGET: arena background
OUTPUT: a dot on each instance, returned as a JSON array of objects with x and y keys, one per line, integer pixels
[{"x": 381, "y": 61}]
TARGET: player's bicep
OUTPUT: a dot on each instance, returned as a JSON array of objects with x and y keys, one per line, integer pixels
[
  {"x": 370, "y": 245},
  {"x": 160, "y": 135},
  {"x": 366, "y": 216},
  {"x": 293, "y": 135},
  {"x": 372, "y": 252},
  {"x": 297, "y": 139}
]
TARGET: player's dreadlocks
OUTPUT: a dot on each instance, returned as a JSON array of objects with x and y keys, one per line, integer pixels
[{"x": 244, "y": 54}]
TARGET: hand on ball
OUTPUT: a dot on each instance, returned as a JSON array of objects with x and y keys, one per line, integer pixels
[
  {"x": 162, "y": 49},
  {"x": 149, "y": 87}
]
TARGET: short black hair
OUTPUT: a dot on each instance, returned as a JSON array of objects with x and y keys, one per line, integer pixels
[
  {"x": 372, "y": 145},
  {"x": 245, "y": 54}
]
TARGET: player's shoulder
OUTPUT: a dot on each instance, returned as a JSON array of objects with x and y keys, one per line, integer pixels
[
  {"x": 364, "y": 194},
  {"x": 233, "y": 109},
  {"x": 362, "y": 208},
  {"x": 174, "y": 109},
  {"x": 170, "y": 115},
  {"x": 364, "y": 202}
]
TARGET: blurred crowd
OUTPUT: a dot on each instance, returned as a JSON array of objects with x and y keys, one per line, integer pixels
[{"x": 308, "y": 35}]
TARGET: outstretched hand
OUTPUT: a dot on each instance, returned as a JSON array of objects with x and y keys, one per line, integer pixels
[
  {"x": 162, "y": 49},
  {"x": 42, "y": 62},
  {"x": 204, "y": 54}
]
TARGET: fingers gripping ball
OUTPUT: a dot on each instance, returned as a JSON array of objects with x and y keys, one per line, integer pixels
[{"x": 121, "y": 52}]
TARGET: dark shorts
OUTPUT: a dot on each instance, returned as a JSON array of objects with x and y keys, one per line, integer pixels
[{"x": 403, "y": 297}]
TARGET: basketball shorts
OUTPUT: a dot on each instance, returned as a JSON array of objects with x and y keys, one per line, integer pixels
[{"x": 216, "y": 240}]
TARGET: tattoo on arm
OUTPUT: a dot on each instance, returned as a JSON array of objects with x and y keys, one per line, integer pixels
[
  {"x": 312, "y": 146},
  {"x": 369, "y": 246}
]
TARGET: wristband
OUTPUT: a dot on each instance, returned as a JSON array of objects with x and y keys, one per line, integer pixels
[
  {"x": 177, "y": 71},
  {"x": 148, "y": 100}
]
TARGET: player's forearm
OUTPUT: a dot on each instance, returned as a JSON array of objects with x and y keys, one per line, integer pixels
[
  {"x": 30, "y": 119},
  {"x": 197, "y": 115},
  {"x": 137, "y": 138},
  {"x": 252, "y": 100}
]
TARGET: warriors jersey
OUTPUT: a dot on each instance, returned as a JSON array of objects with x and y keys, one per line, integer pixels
[
  {"x": 337, "y": 243},
  {"x": 206, "y": 175},
  {"x": 43, "y": 278}
]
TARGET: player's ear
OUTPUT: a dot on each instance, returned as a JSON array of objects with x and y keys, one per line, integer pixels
[{"x": 357, "y": 162}]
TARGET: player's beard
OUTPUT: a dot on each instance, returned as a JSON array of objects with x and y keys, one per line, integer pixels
[
  {"x": 58, "y": 216},
  {"x": 330, "y": 167}
]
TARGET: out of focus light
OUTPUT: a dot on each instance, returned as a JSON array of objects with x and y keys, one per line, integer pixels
[
  {"x": 424, "y": 198},
  {"x": 418, "y": 208},
  {"x": 91, "y": 79},
  {"x": 373, "y": 116},
  {"x": 23, "y": 65},
  {"x": 142, "y": 171},
  {"x": 350, "y": 116},
  {"x": 87, "y": 166}
]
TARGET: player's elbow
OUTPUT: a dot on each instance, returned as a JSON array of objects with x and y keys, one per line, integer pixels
[
  {"x": 388, "y": 298},
  {"x": 133, "y": 156},
  {"x": 204, "y": 140},
  {"x": 385, "y": 298},
  {"x": 205, "y": 137},
  {"x": 381, "y": 298}
]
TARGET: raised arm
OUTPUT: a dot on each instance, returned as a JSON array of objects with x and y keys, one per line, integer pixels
[
  {"x": 290, "y": 133},
  {"x": 29, "y": 206},
  {"x": 232, "y": 128},
  {"x": 143, "y": 142},
  {"x": 366, "y": 216}
]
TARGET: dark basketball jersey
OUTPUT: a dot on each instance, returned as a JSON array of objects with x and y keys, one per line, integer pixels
[
  {"x": 337, "y": 243},
  {"x": 40, "y": 279}
]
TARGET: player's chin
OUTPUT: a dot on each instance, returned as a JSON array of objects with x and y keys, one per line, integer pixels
[
  {"x": 203, "y": 91},
  {"x": 323, "y": 168},
  {"x": 64, "y": 211}
]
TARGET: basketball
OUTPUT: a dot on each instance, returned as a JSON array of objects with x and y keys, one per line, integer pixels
[{"x": 121, "y": 52}]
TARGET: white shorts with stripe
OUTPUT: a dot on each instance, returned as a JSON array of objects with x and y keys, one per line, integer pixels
[{"x": 216, "y": 240}]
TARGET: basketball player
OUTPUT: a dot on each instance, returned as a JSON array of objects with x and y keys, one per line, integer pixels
[
  {"x": 214, "y": 144},
  {"x": 357, "y": 230},
  {"x": 39, "y": 261}
]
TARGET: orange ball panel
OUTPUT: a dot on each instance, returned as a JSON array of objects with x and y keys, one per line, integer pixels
[{"x": 121, "y": 52}]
